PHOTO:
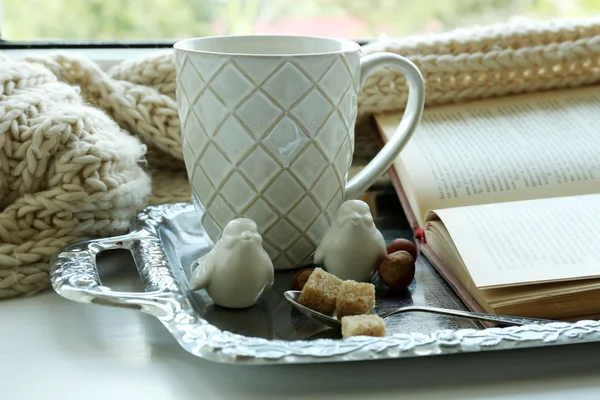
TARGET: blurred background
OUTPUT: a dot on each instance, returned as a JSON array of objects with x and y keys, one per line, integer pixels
[{"x": 159, "y": 20}]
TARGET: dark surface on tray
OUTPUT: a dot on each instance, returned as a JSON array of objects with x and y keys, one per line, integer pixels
[{"x": 274, "y": 318}]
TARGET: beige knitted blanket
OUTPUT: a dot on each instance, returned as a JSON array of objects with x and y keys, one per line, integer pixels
[{"x": 82, "y": 150}]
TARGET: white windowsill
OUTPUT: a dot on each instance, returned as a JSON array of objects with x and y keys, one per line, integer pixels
[{"x": 105, "y": 58}]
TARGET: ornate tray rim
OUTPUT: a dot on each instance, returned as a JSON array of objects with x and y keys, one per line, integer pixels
[{"x": 73, "y": 275}]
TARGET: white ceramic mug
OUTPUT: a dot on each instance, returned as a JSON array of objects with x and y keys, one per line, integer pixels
[{"x": 267, "y": 128}]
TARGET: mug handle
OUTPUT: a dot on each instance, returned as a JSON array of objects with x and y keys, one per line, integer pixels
[{"x": 412, "y": 115}]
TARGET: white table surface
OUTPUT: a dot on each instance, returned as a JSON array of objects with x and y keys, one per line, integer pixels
[{"x": 52, "y": 348}]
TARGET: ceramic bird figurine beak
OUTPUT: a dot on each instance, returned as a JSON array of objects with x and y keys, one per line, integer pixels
[{"x": 352, "y": 246}]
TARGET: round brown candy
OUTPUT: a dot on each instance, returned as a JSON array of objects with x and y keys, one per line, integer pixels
[
  {"x": 402, "y": 245},
  {"x": 299, "y": 280},
  {"x": 397, "y": 270}
]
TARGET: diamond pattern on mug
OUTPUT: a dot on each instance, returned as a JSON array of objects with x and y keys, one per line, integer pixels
[
  {"x": 332, "y": 134},
  {"x": 284, "y": 192},
  {"x": 190, "y": 81},
  {"x": 309, "y": 165},
  {"x": 262, "y": 214},
  {"x": 271, "y": 251},
  {"x": 304, "y": 213},
  {"x": 282, "y": 263},
  {"x": 210, "y": 111},
  {"x": 179, "y": 59},
  {"x": 231, "y": 86},
  {"x": 348, "y": 108},
  {"x": 318, "y": 228},
  {"x": 198, "y": 203},
  {"x": 336, "y": 81},
  {"x": 206, "y": 65},
  {"x": 237, "y": 192},
  {"x": 287, "y": 85},
  {"x": 260, "y": 168},
  {"x": 312, "y": 111},
  {"x": 205, "y": 190},
  {"x": 301, "y": 249},
  {"x": 188, "y": 157},
  {"x": 209, "y": 225},
  {"x": 183, "y": 106},
  {"x": 326, "y": 187},
  {"x": 256, "y": 69},
  {"x": 314, "y": 67},
  {"x": 212, "y": 228},
  {"x": 344, "y": 159},
  {"x": 215, "y": 164},
  {"x": 334, "y": 205},
  {"x": 258, "y": 113},
  {"x": 220, "y": 212},
  {"x": 196, "y": 137},
  {"x": 352, "y": 62},
  {"x": 233, "y": 140},
  {"x": 285, "y": 140},
  {"x": 283, "y": 234},
  {"x": 351, "y": 136}
]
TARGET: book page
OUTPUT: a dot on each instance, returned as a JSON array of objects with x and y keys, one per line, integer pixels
[
  {"x": 525, "y": 242},
  {"x": 514, "y": 148}
]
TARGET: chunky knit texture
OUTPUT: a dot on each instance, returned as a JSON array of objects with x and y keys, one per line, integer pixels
[
  {"x": 496, "y": 60},
  {"x": 67, "y": 172},
  {"x": 70, "y": 168}
]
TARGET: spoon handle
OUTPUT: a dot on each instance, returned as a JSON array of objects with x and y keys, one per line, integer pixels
[{"x": 504, "y": 319}]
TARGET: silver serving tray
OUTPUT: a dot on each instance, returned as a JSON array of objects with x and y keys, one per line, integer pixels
[{"x": 167, "y": 239}]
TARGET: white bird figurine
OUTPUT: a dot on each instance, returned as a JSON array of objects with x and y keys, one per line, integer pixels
[
  {"x": 352, "y": 246},
  {"x": 237, "y": 271}
]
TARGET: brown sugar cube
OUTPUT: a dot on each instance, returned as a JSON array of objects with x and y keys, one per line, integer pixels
[
  {"x": 363, "y": 325},
  {"x": 320, "y": 291},
  {"x": 355, "y": 298}
]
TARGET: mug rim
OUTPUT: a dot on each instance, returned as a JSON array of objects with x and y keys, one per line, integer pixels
[{"x": 346, "y": 45}]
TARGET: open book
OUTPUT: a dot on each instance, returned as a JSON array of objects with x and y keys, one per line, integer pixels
[{"x": 507, "y": 193}]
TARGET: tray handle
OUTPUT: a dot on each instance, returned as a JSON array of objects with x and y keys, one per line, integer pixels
[{"x": 74, "y": 273}]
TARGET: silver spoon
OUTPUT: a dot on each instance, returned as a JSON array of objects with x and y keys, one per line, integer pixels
[{"x": 292, "y": 297}]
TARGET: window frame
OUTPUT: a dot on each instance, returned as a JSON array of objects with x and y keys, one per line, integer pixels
[{"x": 33, "y": 45}]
